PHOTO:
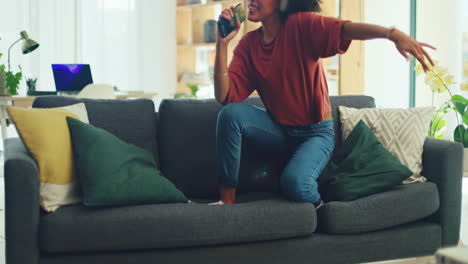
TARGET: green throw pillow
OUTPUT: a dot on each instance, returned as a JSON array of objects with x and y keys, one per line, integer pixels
[
  {"x": 113, "y": 172},
  {"x": 360, "y": 167}
]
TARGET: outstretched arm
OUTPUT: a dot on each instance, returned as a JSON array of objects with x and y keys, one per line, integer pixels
[{"x": 404, "y": 43}]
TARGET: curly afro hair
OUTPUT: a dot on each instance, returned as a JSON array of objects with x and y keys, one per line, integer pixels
[{"x": 289, "y": 7}]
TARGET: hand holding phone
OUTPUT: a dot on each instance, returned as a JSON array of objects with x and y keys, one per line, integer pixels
[{"x": 227, "y": 22}]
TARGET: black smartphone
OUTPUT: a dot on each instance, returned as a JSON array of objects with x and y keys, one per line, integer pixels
[{"x": 226, "y": 26}]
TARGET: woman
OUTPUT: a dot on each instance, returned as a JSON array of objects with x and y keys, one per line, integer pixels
[{"x": 281, "y": 60}]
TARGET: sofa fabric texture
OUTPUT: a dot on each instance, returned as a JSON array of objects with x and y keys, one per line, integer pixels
[
  {"x": 400, "y": 205},
  {"x": 442, "y": 163},
  {"x": 31, "y": 237},
  {"x": 400, "y": 242},
  {"x": 133, "y": 121},
  {"x": 187, "y": 137},
  {"x": 78, "y": 228}
]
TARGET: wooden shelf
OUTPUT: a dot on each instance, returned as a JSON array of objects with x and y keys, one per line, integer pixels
[
  {"x": 193, "y": 54},
  {"x": 209, "y": 3}
]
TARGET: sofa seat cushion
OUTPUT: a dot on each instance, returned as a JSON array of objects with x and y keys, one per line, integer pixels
[
  {"x": 400, "y": 205},
  {"x": 78, "y": 228}
]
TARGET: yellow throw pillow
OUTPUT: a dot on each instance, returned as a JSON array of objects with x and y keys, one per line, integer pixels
[{"x": 45, "y": 134}]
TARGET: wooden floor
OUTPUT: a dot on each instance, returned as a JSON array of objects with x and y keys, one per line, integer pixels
[{"x": 421, "y": 260}]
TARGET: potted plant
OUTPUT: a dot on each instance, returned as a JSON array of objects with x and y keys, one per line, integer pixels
[
  {"x": 439, "y": 80},
  {"x": 193, "y": 92},
  {"x": 31, "y": 83},
  {"x": 9, "y": 80},
  {"x": 460, "y": 134},
  {"x": 438, "y": 126},
  {"x": 2, "y": 78},
  {"x": 12, "y": 81}
]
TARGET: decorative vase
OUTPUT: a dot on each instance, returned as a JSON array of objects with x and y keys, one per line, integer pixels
[
  {"x": 31, "y": 83},
  {"x": 210, "y": 31},
  {"x": 3, "y": 89}
]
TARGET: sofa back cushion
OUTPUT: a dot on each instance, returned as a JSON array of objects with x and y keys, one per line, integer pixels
[
  {"x": 133, "y": 121},
  {"x": 187, "y": 141}
]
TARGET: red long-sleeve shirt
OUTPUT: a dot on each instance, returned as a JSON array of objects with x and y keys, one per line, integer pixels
[{"x": 287, "y": 72}]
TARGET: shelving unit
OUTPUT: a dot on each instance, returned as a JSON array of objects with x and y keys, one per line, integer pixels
[
  {"x": 193, "y": 54},
  {"x": 196, "y": 56}
]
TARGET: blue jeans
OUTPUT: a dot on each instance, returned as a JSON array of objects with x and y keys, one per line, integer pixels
[{"x": 309, "y": 148}]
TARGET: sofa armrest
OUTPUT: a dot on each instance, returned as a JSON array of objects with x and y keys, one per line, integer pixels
[
  {"x": 443, "y": 165},
  {"x": 21, "y": 204}
]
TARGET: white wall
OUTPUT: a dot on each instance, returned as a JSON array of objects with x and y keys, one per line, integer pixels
[
  {"x": 12, "y": 22},
  {"x": 386, "y": 71},
  {"x": 464, "y": 15},
  {"x": 158, "y": 47},
  {"x": 129, "y": 43},
  {"x": 52, "y": 24}
]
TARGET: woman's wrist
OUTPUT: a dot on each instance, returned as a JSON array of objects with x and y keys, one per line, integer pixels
[
  {"x": 389, "y": 33},
  {"x": 392, "y": 34},
  {"x": 221, "y": 45}
]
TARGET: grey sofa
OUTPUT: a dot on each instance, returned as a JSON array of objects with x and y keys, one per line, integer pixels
[{"x": 263, "y": 227}]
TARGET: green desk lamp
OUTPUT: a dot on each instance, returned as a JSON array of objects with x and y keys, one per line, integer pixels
[{"x": 28, "y": 45}]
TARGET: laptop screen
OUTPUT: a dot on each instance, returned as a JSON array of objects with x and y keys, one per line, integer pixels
[{"x": 71, "y": 77}]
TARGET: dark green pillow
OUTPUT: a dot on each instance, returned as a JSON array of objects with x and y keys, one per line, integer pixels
[
  {"x": 113, "y": 172},
  {"x": 360, "y": 167}
]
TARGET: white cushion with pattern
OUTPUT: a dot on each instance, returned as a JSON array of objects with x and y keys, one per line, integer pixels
[{"x": 401, "y": 131}]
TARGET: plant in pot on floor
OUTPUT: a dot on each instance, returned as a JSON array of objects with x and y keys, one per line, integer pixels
[{"x": 439, "y": 80}]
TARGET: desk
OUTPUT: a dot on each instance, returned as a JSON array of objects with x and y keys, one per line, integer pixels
[{"x": 27, "y": 101}]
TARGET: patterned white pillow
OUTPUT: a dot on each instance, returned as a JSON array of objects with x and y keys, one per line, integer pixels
[{"x": 401, "y": 131}]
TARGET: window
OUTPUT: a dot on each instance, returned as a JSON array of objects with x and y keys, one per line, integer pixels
[{"x": 386, "y": 73}]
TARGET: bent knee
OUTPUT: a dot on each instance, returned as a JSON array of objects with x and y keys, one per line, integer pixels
[
  {"x": 299, "y": 190},
  {"x": 232, "y": 111}
]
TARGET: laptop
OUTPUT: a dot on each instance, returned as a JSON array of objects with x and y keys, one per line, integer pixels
[{"x": 71, "y": 78}]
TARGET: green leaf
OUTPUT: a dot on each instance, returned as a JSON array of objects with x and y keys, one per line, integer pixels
[
  {"x": 181, "y": 95},
  {"x": 461, "y": 103},
  {"x": 465, "y": 117},
  {"x": 12, "y": 82},
  {"x": 460, "y": 134},
  {"x": 439, "y": 125},
  {"x": 194, "y": 89}
]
